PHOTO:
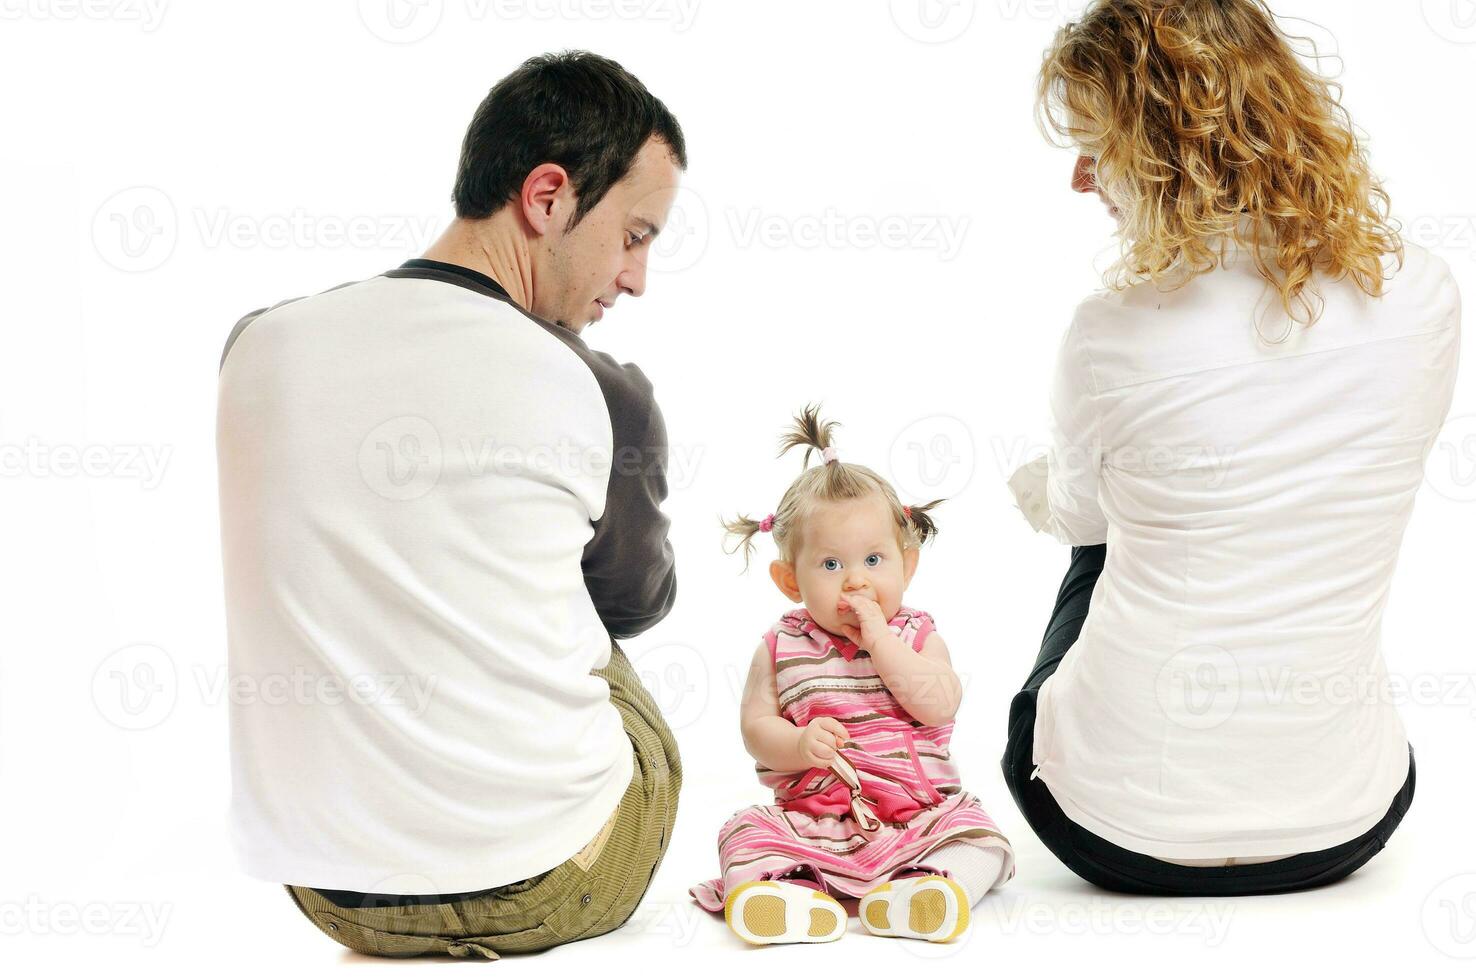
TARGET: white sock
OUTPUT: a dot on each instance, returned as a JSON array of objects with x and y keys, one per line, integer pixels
[{"x": 975, "y": 868}]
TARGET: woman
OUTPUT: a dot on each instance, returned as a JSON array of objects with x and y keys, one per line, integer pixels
[{"x": 1240, "y": 423}]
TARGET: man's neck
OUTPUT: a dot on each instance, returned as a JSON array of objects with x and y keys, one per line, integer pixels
[{"x": 492, "y": 246}]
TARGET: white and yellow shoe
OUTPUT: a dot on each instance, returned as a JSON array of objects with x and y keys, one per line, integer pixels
[
  {"x": 931, "y": 906},
  {"x": 775, "y": 910}
]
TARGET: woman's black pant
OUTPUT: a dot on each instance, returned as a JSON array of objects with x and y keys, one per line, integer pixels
[{"x": 1105, "y": 864}]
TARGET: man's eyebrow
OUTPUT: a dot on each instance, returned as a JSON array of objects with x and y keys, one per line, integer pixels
[{"x": 652, "y": 228}]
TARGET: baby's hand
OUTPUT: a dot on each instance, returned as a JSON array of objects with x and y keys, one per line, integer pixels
[
  {"x": 873, "y": 623},
  {"x": 819, "y": 739}
]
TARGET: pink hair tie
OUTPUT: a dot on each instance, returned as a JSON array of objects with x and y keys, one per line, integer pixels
[
  {"x": 830, "y": 454},
  {"x": 767, "y": 524},
  {"x": 907, "y": 512}
]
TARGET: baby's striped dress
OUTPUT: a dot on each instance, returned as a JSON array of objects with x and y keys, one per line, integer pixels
[{"x": 907, "y": 777}]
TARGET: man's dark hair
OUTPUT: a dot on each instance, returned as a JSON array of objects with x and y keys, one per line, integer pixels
[{"x": 576, "y": 109}]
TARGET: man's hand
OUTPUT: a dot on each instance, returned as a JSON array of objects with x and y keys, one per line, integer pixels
[
  {"x": 819, "y": 739},
  {"x": 873, "y": 624}
]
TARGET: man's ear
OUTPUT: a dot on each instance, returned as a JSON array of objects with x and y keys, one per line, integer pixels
[
  {"x": 909, "y": 565},
  {"x": 782, "y": 572},
  {"x": 546, "y": 190}
]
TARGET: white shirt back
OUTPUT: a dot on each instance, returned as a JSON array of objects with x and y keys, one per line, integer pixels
[
  {"x": 1226, "y": 696},
  {"x": 429, "y": 542}
]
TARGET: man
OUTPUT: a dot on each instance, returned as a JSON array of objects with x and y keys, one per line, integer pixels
[{"x": 439, "y": 510}]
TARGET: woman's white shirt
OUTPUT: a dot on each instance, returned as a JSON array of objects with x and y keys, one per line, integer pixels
[{"x": 1228, "y": 694}]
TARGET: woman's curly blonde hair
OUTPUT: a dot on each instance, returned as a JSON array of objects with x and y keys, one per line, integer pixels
[
  {"x": 833, "y": 480},
  {"x": 1199, "y": 114}
]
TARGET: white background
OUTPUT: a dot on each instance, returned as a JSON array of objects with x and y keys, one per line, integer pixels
[{"x": 168, "y": 167}]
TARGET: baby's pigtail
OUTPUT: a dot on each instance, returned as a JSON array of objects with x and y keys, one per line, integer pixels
[
  {"x": 743, "y": 528},
  {"x": 921, "y": 519},
  {"x": 809, "y": 430}
]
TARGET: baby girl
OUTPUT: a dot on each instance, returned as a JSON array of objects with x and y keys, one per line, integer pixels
[{"x": 847, "y": 711}]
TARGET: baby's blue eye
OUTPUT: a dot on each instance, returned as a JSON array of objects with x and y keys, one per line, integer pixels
[
  {"x": 831, "y": 564},
  {"x": 873, "y": 560}
]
